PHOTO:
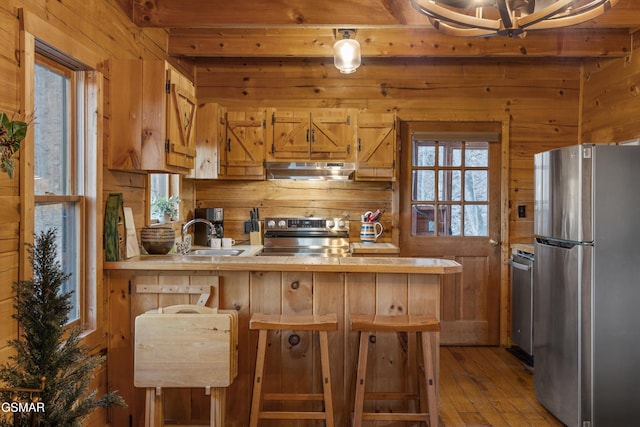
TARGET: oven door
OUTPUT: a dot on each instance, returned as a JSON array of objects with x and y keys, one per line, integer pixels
[{"x": 305, "y": 244}]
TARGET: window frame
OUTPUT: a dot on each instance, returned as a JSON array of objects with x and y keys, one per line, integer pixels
[
  {"x": 38, "y": 36},
  {"x": 443, "y": 206},
  {"x": 74, "y": 194}
]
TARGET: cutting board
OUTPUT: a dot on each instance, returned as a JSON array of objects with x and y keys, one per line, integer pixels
[{"x": 186, "y": 346}]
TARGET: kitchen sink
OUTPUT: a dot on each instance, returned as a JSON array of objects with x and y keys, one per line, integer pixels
[{"x": 214, "y": 252}]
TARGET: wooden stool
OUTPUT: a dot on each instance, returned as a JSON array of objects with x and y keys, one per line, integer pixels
[
  {"x": 426, "y": 328},
  {"x": 264, "y": 323}
]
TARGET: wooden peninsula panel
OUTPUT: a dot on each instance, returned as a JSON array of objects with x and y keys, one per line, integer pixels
[{"x": 274, "y": 285}]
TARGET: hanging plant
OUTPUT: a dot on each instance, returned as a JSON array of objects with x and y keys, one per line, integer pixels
[{"x": 12, "y": 132}]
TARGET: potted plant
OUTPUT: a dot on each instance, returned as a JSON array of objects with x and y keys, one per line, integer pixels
[
  {"x": 165, "y": 209},
  {"x": 12, "y": 132},
  {"x": 47, "y": 356}
]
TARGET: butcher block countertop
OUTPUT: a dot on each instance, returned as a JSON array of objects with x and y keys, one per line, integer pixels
[{"x": 284, "y": 263}]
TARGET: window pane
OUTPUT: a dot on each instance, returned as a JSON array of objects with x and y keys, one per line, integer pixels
[
  {"x": 424, "y": 153},
  {"x": 475, "y": 220},
  {"x": 64, "y": 218},
  {"x": 475, "y": 186},
  {"x": 424, "y": 185},
  {"x": 449, "y": 185},
  {"x": 477, "y": 154},
  {"x": 456, "y": 221},
  {"x": 450, "y": 153},
  {"x": 52, "y": 127},
  {"x": 423, "y": 220}
]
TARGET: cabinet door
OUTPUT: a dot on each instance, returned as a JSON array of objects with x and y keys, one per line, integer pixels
[
  {"x": 242, "y": 155},
  {"x": 290, "y": 135},
  {"x": 123, "y": 146},
  {"x": 210, "y": 119},
  {"x": 376, "y": 154},
  {"x": 181, "y": 116},
  {"x": 333, "y": 135}
]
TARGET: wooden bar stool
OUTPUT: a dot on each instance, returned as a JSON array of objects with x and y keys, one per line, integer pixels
[
  {"x": 265, "y": 323},
  {"x": 426, "y": 328}
]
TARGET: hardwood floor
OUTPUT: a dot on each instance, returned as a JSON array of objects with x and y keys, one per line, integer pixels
[{"x": 488, "y": 386}]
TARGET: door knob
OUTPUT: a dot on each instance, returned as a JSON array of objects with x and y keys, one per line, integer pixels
[{"x": 494, "y": 242}]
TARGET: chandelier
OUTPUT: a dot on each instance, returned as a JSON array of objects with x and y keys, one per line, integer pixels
[{"x": 513, "y": 18}]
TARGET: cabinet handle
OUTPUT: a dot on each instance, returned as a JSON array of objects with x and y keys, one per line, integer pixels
[
  {"x": 359, "y": 144},
  {"x": 313, "y": 135},
  {"x": 308, "y": 130},
  {"x": 228, "y": 144}
]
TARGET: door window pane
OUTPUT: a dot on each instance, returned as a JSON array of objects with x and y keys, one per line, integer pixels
[
  {"x": 450, "y": 154},
  {"x": 424, "y": 185},
  {"x": 476, "y": 220},
  {"x": 449, "y": 185},
  {"x": 475, "y": 186},
  {"x": 424, "y": 153}
]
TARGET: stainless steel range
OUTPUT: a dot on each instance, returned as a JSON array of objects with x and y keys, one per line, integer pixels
[{"x": 306, "y": 237}]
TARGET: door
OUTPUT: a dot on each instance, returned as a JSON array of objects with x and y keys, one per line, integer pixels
[
  {"x": 450, "y": 208},
  {"x": 561, "y": 285}
]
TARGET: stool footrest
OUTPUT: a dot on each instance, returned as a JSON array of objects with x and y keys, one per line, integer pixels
[
  {"x": 293, "y": 396},
  {"x": 394, "y": 416},
  {"x": 292, "y": 415}
]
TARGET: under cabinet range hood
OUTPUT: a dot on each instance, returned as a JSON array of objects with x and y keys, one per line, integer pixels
[{"x": 320, "y": 171}]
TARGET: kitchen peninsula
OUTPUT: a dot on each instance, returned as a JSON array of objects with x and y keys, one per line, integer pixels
[{"x": 274, "y": 285}]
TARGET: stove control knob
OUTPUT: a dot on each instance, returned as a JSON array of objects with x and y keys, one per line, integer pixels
[
  {"x": 330, "y": 223},
  {"x": 271, "y": 223},
  {"x": 282, "y": 223},
  {"x": 341, "y": 223}
]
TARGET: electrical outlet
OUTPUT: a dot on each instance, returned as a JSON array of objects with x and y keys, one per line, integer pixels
[{"x": 522, "y": 211}]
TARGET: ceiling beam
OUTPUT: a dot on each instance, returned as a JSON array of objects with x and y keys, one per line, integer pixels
[
  {"x": 317, "y": 13},
  {"x": 396, "y": 42}
]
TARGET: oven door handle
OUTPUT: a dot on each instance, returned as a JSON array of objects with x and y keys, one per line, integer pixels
[{"x": 519, "y": 266}]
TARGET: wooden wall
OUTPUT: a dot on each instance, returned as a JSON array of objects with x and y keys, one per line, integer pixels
[
  {"x": 103, "y": 28},
  {"x": 538, "y": 98},
  {"x": 611, "y": 99}
]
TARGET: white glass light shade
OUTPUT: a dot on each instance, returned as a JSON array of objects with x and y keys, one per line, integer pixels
[{"x": 346, "y": 55}]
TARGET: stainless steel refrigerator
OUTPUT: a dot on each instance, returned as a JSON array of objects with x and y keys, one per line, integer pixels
[{"x": 586, "y": 329}]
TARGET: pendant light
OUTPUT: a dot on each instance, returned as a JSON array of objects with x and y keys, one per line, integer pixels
[
  {"x": 346, "y": 53},
  {"x": 513, "y": 18}
]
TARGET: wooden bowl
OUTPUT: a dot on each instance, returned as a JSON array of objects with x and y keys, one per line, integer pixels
[{"x": 157, "y": 240}]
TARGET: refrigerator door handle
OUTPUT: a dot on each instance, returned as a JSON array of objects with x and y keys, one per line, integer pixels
[{"x": 519, "y": 266}]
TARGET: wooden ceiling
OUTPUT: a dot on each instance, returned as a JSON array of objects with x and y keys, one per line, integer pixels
[{"x": 203, "y": 29}]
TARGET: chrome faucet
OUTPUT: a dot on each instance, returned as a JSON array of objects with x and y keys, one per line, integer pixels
[{"x": 185, "y": 246}]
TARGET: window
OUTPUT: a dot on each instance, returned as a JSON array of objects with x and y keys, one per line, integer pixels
[
  {"x": 164, "y": 192},
  {"x": 449, "y": 187},
  {"x": 59, "y": 168}
]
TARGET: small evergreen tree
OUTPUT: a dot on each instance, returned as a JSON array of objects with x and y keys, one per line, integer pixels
[{"x": 42, "y": 350}]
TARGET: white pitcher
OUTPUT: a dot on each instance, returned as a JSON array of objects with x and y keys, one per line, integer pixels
[{"x": 370, "y": 231}]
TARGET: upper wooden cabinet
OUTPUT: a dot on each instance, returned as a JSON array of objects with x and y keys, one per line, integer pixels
[
  {"x": 242, "y": 145},
  {"x": 317, "y": 135},
  {"x": 152, "y": 117},
  {"x": 376, "y": 151}
]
